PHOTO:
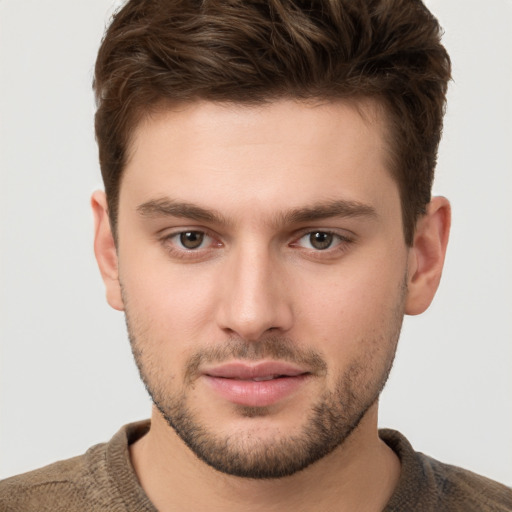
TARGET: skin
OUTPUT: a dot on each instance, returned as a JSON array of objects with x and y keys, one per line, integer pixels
[{"x": 257, "y": 282}]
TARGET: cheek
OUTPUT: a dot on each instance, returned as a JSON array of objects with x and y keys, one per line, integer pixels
[
  {"x": 170, "y": 304},
  {"x": 357, "y": 310}
]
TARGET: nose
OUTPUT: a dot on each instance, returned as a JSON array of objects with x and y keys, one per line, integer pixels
[{"x": 253, "y": 295}]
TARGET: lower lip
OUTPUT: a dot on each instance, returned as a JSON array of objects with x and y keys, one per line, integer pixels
[{"x": 256, "y": 393}]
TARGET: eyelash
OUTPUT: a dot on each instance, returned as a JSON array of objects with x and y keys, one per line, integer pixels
[
  {"x": 184, "y": 253},
  {"x": 340, "y": 245},
  {"x": 339, "y": 240}
]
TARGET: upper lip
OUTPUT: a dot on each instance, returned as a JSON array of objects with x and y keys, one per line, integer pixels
[{"x": 248, "y": 371}]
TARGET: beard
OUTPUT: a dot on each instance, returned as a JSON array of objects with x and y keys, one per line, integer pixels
[{"x": 327, "y": 424}]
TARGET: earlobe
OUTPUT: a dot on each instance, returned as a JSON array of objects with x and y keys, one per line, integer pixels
[
  {"x": 105, "y": 250},
  {"x": 426, "y": 256}
]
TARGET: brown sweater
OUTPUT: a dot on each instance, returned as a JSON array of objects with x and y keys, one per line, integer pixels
[{"x": 103, "y": 480}]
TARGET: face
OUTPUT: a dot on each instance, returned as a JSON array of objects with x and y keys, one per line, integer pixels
[{"x": 263, "y": 271}]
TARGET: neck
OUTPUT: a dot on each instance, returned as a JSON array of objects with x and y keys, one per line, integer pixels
[{"x": 361, "y": 474}]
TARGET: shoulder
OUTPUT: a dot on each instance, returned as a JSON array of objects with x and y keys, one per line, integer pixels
[
  {"x": 62, "y": 485},
  {"x": 468, "y": 490},
  {"x": 427, "y": 484},
  {"x": 102, "y": 479}
]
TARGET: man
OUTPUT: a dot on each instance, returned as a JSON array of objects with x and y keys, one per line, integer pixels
[{"x": 267, "y": 222}]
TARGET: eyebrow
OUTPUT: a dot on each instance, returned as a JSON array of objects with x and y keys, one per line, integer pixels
[
  {"x": 171, "y": 208},
  {"x": 166, "y": 207},
  {"x": 337, "y": 208}
]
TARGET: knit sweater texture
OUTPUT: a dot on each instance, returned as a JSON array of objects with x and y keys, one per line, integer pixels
[{"x": 103, "y": 480}]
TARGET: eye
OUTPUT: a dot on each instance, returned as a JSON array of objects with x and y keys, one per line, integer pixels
[
  {"x": 319, "y": 240},
  {"x": 324, "y": 244},
  {"x": 191, "y": 239},
  {"x": 191, "y": 245}
]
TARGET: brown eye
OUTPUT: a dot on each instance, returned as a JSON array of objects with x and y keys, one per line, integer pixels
[
  {"x": 191, "y": 239},
  {"x": 321, "y": 240}
]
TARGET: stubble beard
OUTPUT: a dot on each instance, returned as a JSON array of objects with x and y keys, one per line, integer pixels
[{"x": 329, "y": 423}]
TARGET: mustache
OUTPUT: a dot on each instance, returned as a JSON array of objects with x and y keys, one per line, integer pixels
[{"x": 277, "y": 348}]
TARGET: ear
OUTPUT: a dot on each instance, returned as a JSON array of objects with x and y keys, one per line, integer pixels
[
  {"x": 105, "y": 250},
  {"x": 426, "y": 256}
]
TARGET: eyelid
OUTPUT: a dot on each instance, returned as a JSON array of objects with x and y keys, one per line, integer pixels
[
  {"x": 344, "y": 241},
  {"x": 165, "y": 237},
  {"x": 177, "y": 239},
  {"x": 343, "y": 234},
  {"x": 169, "y": 232}
]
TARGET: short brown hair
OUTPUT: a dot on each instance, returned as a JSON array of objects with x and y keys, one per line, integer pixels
[{"x": 253, "y": 51}]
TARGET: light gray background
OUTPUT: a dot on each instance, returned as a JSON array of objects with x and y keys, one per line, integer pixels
[{"x": 67, "y": 378}]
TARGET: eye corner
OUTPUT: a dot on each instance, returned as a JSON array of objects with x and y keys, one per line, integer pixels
[
  {"x": 329, "y": 244},
  {"x": 191, "y": 244}
]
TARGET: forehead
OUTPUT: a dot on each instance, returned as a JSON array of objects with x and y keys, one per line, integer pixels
[{"x": 285, "y": 153}]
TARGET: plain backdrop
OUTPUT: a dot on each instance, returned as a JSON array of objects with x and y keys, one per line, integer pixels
[{"x": 67, "y": 378}]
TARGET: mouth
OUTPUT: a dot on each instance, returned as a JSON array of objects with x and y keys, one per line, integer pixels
[
  {"x": 255, "y": 385},
  {"x": 267, "y": 377}
]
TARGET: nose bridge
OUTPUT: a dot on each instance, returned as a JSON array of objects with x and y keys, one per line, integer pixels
[{"x": 253, "y": 297}]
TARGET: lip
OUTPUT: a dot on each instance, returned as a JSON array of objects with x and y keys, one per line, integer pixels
[{"x": 255, "y": 385}]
